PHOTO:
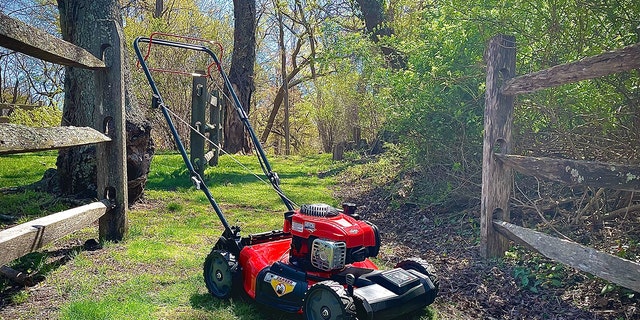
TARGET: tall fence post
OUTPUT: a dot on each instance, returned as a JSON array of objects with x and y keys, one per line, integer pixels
[
  {"x": 215, "y": 127},
  {"x": 199, "y": 101},
  {"x": 497, "y": 178},
  {"x": 110, "y": 120}
]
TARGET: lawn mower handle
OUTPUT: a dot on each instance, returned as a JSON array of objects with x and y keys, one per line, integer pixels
[
  {"x": 266, "y": 166},
  {"x": 158, "y": 100},
  {"x": 194, "y": 174}
]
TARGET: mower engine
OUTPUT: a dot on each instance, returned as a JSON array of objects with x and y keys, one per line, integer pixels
[{"x": 323, "y": 239}]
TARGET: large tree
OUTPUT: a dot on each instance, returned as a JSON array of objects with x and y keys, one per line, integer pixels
[
  {"x": 377, "y": 23},
  {"x": 76, "y": 166},
  {"x": 243, "y": 59}
]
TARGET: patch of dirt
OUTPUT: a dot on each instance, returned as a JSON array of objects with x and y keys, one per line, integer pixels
[{"x": 525, "y": 285}]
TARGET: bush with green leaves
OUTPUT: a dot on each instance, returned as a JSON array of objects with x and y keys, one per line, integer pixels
[{"x": 45, "y": 116}]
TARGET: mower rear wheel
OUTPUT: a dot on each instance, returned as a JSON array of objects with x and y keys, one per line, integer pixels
[
  {"x": 423, "y": 267},
  {"x": 218, "y": 273},
  {"x": 327, "y": 300}
]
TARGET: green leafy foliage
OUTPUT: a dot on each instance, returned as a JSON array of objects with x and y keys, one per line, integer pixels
[
  {"x": 435, "y": 106},
  {"x": 185, "y": 18},
  {"x": 533, "y": 272},
  {"x": 46, "y": 116}
]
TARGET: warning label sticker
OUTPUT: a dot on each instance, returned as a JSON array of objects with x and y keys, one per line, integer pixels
[{"x": 281, "y": 286}]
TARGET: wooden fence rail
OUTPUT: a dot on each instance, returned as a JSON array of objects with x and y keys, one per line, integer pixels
[
  {"x": 33, "y": 235},
  {"x": 108, "y": 131},
  {"x": 19, "y": 36},
  {"x": 606, "y": 266},
  {"x": 16, "y": 138},
  {"x": 498, "y": 164},
  {"x": 625, "y": 59}
]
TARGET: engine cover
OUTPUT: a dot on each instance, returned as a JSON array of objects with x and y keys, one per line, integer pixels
[{"x": 327, "y": 239}]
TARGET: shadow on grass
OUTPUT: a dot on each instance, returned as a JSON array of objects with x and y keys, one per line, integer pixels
[
  {"x": 35, "y": 267},
  {"x": 180, "y": 177},
  {"x": 242, "y": 307}
]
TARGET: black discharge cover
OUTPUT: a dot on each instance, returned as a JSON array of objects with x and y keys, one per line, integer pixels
[{"x": 392, "y": 293}]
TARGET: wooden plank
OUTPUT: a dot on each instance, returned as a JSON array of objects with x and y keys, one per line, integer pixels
[
  {"x": 31, "y": 236},
  {"x": 19, "y": 36},
  {"x": 498, "y": 120},
  {"x": 199, "y": 104},
  {"x": 215, "y": 127},
  {"x": 606, "y": 266},
  {"x": 15, "y": 138},
  {"x": 625, "y": 59},
  {"x": 111, "y": 157},
  {"x": 576, "y": 172}
]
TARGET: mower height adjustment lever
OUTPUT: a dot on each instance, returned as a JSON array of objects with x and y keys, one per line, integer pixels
[
  {"x": 196, "y": 182},
  {"x": 274, "y": 178},
  {"x": 351, "y": 280}
]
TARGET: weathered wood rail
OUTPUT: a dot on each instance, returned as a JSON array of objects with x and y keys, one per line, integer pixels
[
  {"x": 498, "y": 164},
  {"x": 16, "y": 138},
  {"x": 33, "y": 235},
  {"x": 21, "y": 37},
  {"x": 108, "y": 132}
]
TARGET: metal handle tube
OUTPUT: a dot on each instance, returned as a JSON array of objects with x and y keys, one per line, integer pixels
[
  {"x": 238, "y": 106},
  {"x": 176, "y": 137}
]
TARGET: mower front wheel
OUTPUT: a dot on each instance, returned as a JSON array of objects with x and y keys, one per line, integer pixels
[
  {"x": 218, "y": 273},
  {"x": 327, "y": 300}
]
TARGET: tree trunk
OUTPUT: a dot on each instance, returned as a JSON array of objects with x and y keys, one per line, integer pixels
[
  {"x": 241, "y": 73},
  {"x": 285, "y": 83},
  {"x": 374, "y": 18},
  {"x": 377, "y": 25},
  {"x": 77, "y": 166}
]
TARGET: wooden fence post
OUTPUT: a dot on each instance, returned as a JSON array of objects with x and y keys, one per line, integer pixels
[
  {"x": 199, "y": 102},
  {"x": 215, "y": 126},
  {"x": 497, "y": 178},
  {"x": 110, "y": 119}
]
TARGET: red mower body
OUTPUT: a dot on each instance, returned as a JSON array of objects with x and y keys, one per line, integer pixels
[
  {"x": 259, "y": 257},
  {"x": 324, "y": 250}
]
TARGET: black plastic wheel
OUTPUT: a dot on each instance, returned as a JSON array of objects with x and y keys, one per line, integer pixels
[
  {"x": 327, "y": 300},
  {"x": 423, "y": 267},
  {"x": 218, "y": 273}
]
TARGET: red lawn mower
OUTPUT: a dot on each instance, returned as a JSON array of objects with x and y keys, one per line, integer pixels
[{"x": 318, "y": 264}]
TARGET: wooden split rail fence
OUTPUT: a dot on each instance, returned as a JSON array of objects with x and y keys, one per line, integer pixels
[
  {"x": 497, "y": 169},
  {"x": 107, "y": 132}
]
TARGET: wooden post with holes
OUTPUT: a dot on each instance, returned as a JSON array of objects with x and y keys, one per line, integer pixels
[
  {"x": 215, "y": 127},
  {"x": 497, "y": 178},
  {"x": 110, "y": 119},
  {"x": 199, "y": 100}
]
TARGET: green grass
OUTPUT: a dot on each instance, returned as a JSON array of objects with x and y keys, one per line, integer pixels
[
  {"x": 21, "y": 170},
  {"x": 156, "y": 273}
]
